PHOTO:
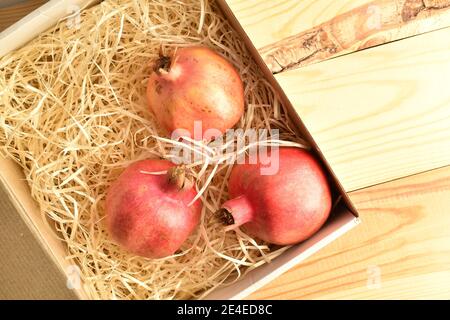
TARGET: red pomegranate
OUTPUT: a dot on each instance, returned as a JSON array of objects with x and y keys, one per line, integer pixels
[
  {"x": 195, "y": 86},
  {"x": 284, "y": 208},
  {"x": 148, "y": 214}
]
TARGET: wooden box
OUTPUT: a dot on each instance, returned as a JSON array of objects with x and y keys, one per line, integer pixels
[
  {"x": 342, "y": 219},
  {"x": 374, "y": 109}
]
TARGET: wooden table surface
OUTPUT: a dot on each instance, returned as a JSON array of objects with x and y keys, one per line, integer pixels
[
  {"x": 400, "y": 251},
  {"x": 381, "y": 117},
  {"x": 12, "y": 10}
]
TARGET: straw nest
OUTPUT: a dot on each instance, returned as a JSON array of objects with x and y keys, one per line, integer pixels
[{"x": 73, "y": 114}]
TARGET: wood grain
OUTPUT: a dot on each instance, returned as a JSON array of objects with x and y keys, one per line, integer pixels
[
  {"x": 376, "y": 23},
  {"x": 267, "y": 22},
  {"x": 373, "y": 23},
  {"x": 400, "y": 251},
  {"x": 12, "y": 11},
  {"x": 378, "y": 114}
]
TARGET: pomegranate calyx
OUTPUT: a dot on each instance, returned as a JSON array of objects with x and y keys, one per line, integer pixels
[
  {"x": 236, "y": 212},
  {"x": 162, "y": 65},
  {"x": 177, "y": 176},
  {"x": 225, "y": 216}
]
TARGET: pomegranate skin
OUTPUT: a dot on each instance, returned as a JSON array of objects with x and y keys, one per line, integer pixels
[
  {"x": 148, "y": 214},
  {"x": 285, "y": 208},
  {"x": 198, "y": 85}
]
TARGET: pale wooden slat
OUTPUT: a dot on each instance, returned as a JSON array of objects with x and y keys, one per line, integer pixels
[
  {"x": 434, "y": 285},
  {"x": 403, "y": 241},
  {"x": 373, "y": 23},
  {"x": 269, "y": 21},
  {"x": 381, "y": 113}
]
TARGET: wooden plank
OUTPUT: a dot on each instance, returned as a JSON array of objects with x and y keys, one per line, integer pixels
[
  {"x": 400, "y": 251},
  {"x": 12, "y": 11},
  {"x": 378, "y": 114},
  {"x": 267, "y": 22},
  {"x": 287, "y": 38}
]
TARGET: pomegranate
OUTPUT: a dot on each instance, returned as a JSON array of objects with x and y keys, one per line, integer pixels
[
  {"x": 195, "y": 84},
  {"x": 284, "y": 208},
  {"x": 148, "y": 214}
]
